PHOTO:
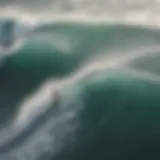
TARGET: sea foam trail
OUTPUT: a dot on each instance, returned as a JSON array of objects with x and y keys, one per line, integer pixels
[{"x": 48, "y": 92}]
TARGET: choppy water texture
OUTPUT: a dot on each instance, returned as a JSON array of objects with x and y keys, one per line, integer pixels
[{"x": 72, "y": 90}]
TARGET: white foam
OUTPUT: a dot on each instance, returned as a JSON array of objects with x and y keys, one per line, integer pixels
[{"x": 133, "y": 12}]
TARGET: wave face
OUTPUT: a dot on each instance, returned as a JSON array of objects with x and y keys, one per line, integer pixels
[{"x": 79, "y": 90}]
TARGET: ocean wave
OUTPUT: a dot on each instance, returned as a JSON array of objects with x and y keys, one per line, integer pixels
[{"x": 76, "y": 90}]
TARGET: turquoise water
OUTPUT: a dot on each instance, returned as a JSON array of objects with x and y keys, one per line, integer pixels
[{"x": 102, "y": 100}]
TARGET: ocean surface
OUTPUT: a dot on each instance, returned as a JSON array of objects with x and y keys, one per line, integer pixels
[{"x": 79, "y": 80}]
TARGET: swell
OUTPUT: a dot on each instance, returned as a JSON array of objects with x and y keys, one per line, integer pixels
[{"x": 60, "y": 51}]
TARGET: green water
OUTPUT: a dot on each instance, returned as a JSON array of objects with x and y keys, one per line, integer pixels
[{"x": 114, "y": 115}]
